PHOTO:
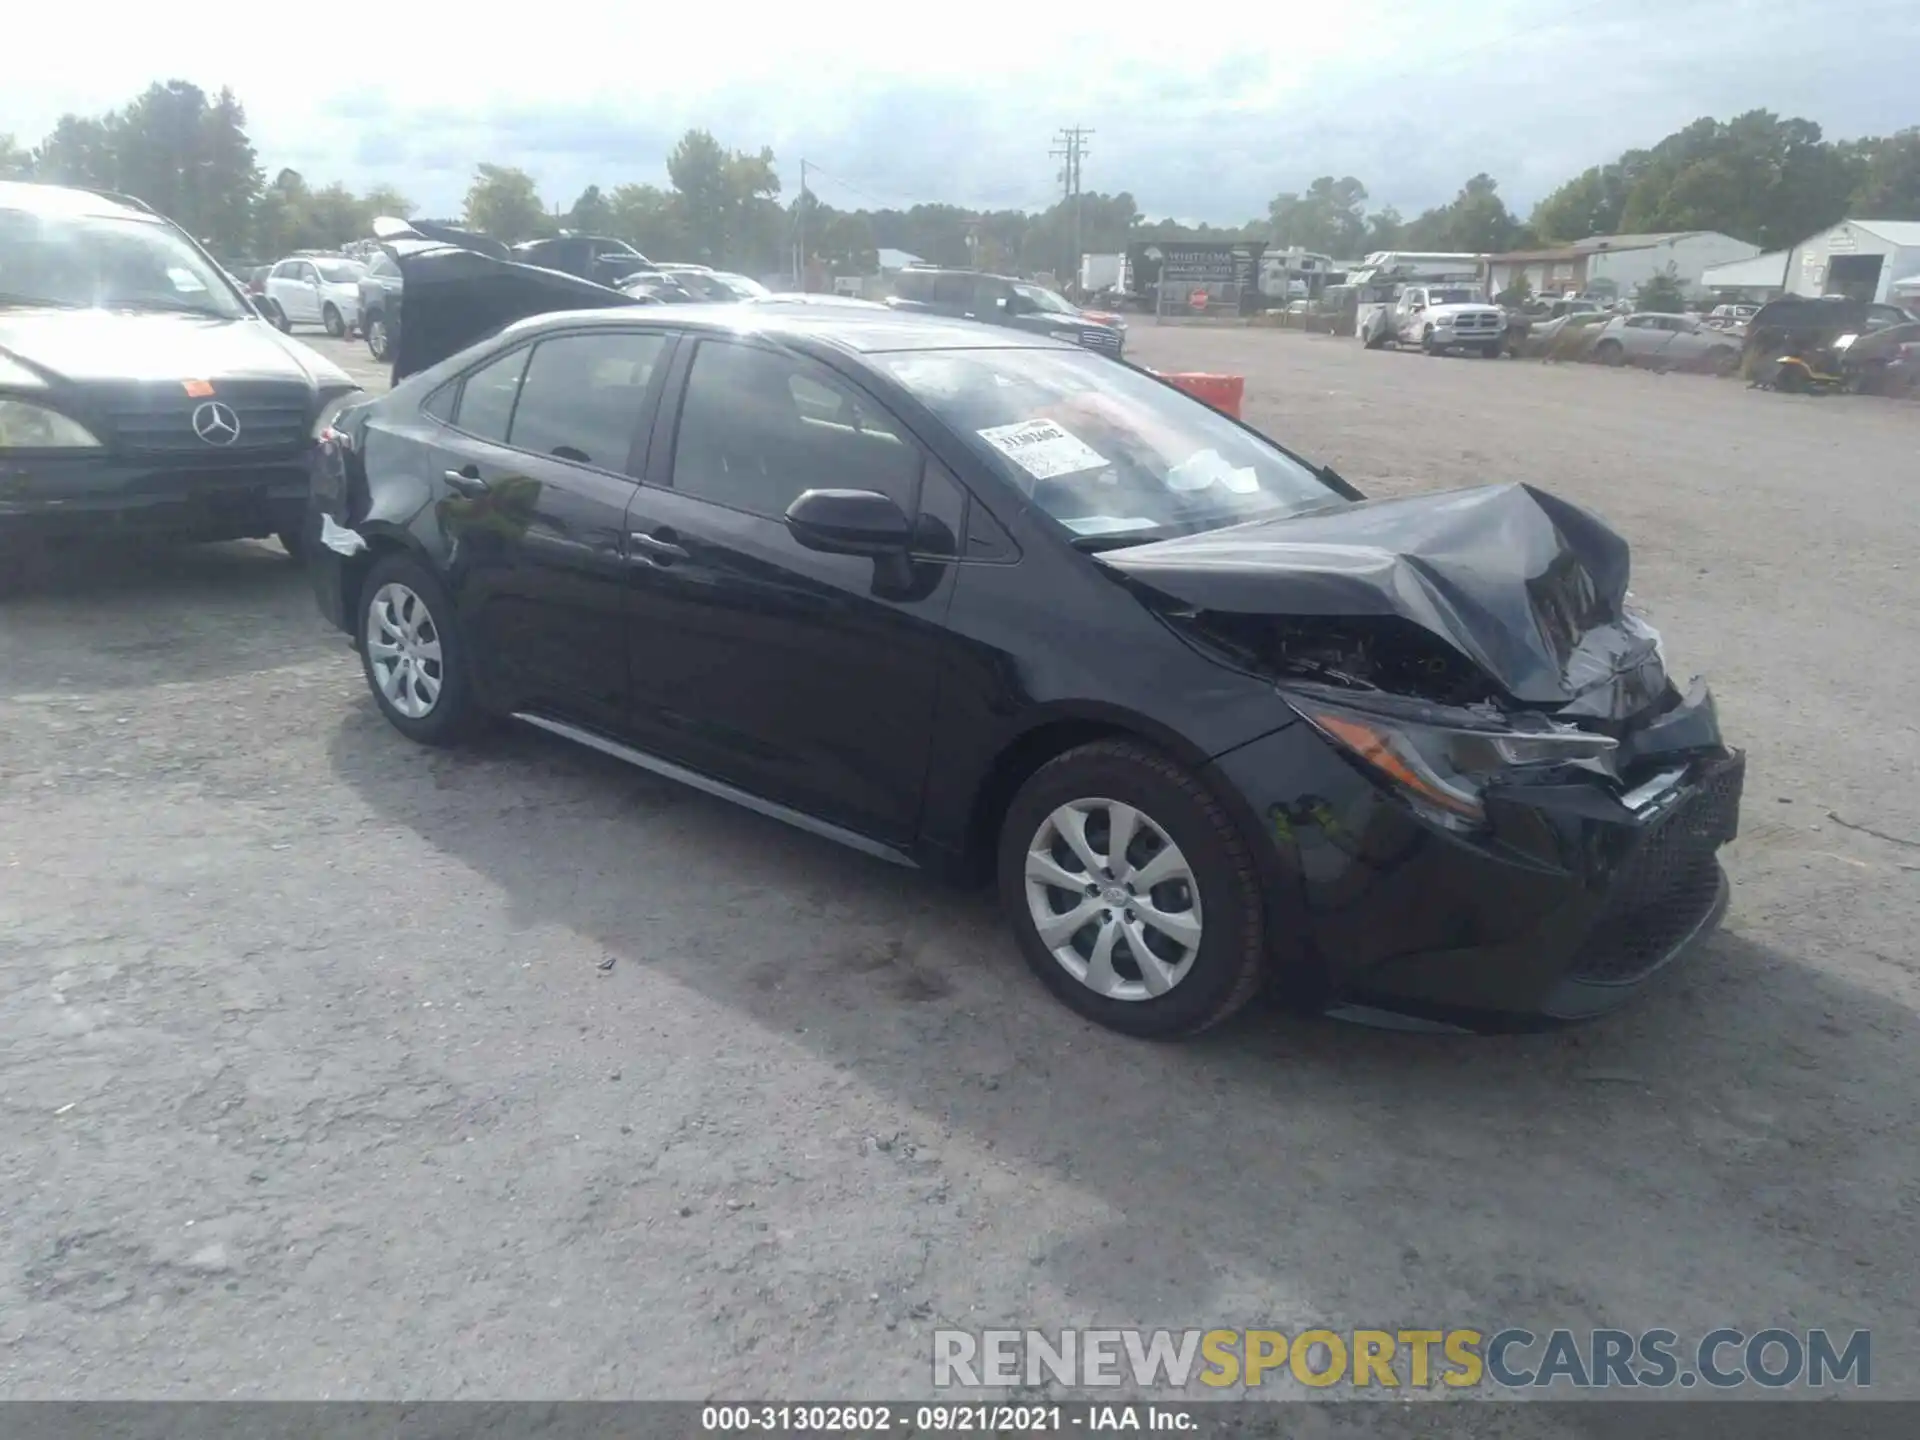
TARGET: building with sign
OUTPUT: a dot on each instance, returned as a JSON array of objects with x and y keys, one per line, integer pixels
[
  {"x": 1617, "y": 264},
  {"x": 1865, "y": 259}
]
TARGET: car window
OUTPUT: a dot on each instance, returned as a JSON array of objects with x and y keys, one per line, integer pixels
[
  {"x": 759, "y": 428},
  {"x": 486, "y": 399},
  {"x": 1111, "y": 454},
  {"x": 582, "y": 396},
  {"x": 1639, "y": 322},
  {"x": 383, "y": 266}
]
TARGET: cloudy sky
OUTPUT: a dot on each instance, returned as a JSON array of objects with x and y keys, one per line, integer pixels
[{"x": 1203, "y": 113}]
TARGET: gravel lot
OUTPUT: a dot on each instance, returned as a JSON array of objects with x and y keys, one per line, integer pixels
[{"x": 334, "y": 1067}]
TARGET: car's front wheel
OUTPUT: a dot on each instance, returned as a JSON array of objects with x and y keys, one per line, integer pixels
[
  {"x": 335, "y": 324},
  {"x": 377, "y": 336},
  {"x": 1610, "y": 352},
  {"x": 1132, "y": 891},
  {"x": 410, "y": 649}
]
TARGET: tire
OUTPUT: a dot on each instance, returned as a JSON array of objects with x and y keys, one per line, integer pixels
[
  {"x": 331, "y": 319},
  {"x": 1426, "y": 341},
  {"x": 1723, "y": 361},
  {"x": 1190, "y": 987},
  {"x": 376, "y": 329},
  {"x": 1610, "y": 352},
  {"x": 450, "y": 713},
  {"x": 294, "y": 541}
]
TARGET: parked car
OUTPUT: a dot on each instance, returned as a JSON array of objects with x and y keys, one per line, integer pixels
[
  {"x": 319, "y": 290},
  {"x": 592, "y": 257},
  {"x": 719, "y": 286},
  {"x": 1003, "y": 300},
  {"x": 1674, "y": 342},
  {"x": 978, "y": 601},
  {"x": 140, "y": 394},
  {"x": 659, "y": 287},
  {"x": 380, "y": 304}
]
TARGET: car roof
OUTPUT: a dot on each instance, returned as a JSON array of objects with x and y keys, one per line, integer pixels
[
  {"x": 72, "y": 200},
  {"x": 857, "y": 331}
]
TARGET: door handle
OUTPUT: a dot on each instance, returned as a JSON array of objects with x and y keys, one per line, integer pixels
[
  {"x": 663, "y": 552},
  {"x": 466, "y": 482}
]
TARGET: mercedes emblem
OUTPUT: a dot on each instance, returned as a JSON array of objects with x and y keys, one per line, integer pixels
[{"x": 216, "y": 424}]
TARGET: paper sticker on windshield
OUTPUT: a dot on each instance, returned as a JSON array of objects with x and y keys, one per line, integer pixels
[
  {"x": 1043, "y": 449},
  {"x": 1108, "y": 524}
]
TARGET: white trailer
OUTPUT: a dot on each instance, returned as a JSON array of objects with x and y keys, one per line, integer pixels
[{"x": 1101, "y": 272}]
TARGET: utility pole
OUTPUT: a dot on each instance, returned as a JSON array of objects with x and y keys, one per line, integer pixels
[
  {"x": 1070, "y": 147},
  {"x": 800, "y": 218}
]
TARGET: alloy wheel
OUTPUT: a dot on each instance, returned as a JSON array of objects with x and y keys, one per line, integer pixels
[
  {"x": 403, "y": 648},
  {"x": 1113, "y": 899}
]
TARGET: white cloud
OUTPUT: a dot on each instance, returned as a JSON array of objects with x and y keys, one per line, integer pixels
[{"x": 1200, "y": 115}]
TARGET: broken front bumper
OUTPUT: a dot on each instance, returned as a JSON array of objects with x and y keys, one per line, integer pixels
[{"x": 1564, "y": 909}]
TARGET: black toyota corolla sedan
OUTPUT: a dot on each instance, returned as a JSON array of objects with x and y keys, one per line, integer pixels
[{"x": 992, "y": 606}]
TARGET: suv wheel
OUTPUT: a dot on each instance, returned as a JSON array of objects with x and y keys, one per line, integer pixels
[
  {"x": 1131, "y": 891},
  {"x": 336, "y": 326},
  {"x": 1610, "y": 352},
  {"x": 377, "y": 336},
  {"x": 410, "y": 649}
]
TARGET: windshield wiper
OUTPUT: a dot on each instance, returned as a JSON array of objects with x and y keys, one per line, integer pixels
[
  {"x": 40, "y": 302},
  {"x": 1093, "y": 544}
]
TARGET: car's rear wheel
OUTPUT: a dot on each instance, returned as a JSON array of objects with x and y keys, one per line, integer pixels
[
  {"x": 1723, "y": 360},
  {"x": 377, "y": 336},
  {"x": 410, "y": 649},
  {"x": 1610, "y": 352},
  {"x": 331, "y": 318},
  {"x": 1132, "y": 892}
]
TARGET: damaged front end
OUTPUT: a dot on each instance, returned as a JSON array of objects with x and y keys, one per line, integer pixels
[{"x": 1531, "y": 809}]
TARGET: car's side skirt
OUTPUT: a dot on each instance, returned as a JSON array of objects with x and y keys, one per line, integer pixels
[{"x": 799, "y": 819}]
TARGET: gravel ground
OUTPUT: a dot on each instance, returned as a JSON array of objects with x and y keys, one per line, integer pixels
[{"x": 335, "y": 1067}]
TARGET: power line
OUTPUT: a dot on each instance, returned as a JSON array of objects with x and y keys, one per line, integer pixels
[{"x": 1070, "y": 147}]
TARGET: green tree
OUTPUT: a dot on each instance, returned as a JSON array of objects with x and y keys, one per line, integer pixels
[
  {"x": 1384, "y": 229},
  {"x": 727, "y": 200},
  {"x": 1476, "y": 222},
  {"x": 1518, "y": 292},
  {"x": 1592, "y": 203},
  {"x": 78, "y": 151},
  {"x": 504, "y": 202},
  {"x": 1759, "y": 177},
  {"x": 1889, "y": 177},
  {"x": 385, "y": 200},
  {"x": 1328, "y": 219},
  {"x": 591, "y": 214},
  {"x": 16, "y": 161},
  {"x": 1661, "y": 293},
  {"x": 647, "y": 218}
]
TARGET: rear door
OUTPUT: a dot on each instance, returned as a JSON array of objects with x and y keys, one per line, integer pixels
[
  {"x": 539, "y": 465},
  {"x": 803, "y": 678}
]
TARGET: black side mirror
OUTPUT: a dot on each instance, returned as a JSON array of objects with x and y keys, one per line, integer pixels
[{"x": 849, "y": 522}]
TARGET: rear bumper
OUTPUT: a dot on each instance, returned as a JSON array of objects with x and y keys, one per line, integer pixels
[
  {"x": 51, "y": 501},
  {"x": 1565, "y": 910}
]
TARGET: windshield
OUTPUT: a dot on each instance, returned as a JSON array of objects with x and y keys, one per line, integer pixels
[
  {"x": 742, "y": 287},
  {"x": 1452, "y": 297},
  {"x": 1043, "y": 299},
  {"x": 106, "y": 262},
  {"x": 340, "y": 272},
  {"x": 1105, "y": 450}
]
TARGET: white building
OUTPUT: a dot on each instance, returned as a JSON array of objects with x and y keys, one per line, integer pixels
[
  {"x": 1616, "y": 264},
  {"x": 1861, "y": 258},
  {"x": 1761, "y": 278}
]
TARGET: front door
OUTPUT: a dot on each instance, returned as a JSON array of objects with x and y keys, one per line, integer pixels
[
  {"x": 540, "y": 460},
  {"x": 804, "y": 678}
]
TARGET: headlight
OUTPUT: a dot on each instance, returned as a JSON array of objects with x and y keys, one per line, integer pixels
[
  {"x": 329, "y": 412},
  {"x": 1441, "y": 770},
  {"x": 34, "y": 427}
]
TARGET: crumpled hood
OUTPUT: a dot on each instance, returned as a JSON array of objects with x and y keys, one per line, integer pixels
[
  {"x": 1528, "y": 587},
  {"x": 78, "y": 346},
  {"x": 455, "y": 296}
]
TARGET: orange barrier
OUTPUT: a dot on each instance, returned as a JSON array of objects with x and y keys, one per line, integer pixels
[{"x": 1223, "y": 392}]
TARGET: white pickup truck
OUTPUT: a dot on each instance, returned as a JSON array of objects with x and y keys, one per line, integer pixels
[{"x": 1439, "y": 318}]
